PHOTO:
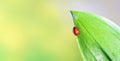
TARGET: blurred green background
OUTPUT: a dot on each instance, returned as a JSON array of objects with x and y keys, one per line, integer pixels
[{"x": 41, "y": 30}]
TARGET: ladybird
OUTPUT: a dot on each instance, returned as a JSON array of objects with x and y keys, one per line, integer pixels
[{"x": 76, "y": 31}]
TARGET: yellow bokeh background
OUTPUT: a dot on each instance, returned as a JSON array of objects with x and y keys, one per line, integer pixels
[{"x": 36, "y": 30}]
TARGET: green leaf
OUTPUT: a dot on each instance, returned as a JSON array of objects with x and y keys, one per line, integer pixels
[{"x": 99, "y": 38}]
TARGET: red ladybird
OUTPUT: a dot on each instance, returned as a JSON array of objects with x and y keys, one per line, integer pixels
[{"x": 76, "y": 31}]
